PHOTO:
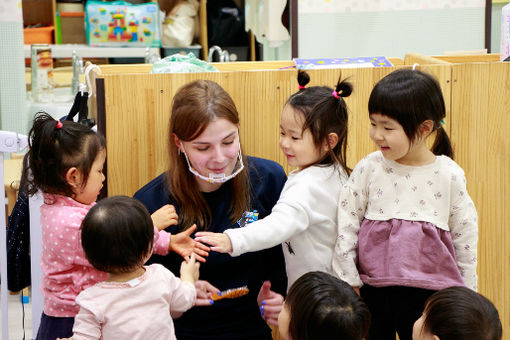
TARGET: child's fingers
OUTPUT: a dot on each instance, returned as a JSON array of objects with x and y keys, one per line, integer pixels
[
  {"x": 201, "y": 246},
  {"x": 200, "y": 252},
  {"x": 190, "y": 230},
  {"x": 200, "y": 258}
]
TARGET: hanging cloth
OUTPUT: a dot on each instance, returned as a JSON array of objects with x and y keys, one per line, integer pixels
[
  {"x": 80, "y": 108},
  {"x": 18, "y": 240}
]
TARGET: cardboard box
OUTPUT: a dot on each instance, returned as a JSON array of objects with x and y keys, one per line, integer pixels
[{"x": 72, "y": 28}]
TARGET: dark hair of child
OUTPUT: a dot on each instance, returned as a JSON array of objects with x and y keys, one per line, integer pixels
[
  {"x": 54, "y": 148},
  {"x": 458, "y": 313},
  {"x": 117, "y": 235},
  {"x": 324, "y": 113},
  {"x": 412, "y": 97},
  {"x": 324, "y": 307}
]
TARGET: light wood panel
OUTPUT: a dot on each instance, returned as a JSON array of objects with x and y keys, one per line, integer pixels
[
  {"x": 462, "y": 59},
  {"x": 412, "y": 58},
  {"x": 481, "y": 121},
  {"x": 477, "y": 97},
  {"x": 138, "y": 108}
]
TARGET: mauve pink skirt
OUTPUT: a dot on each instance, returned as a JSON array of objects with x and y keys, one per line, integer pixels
[{"x": 407, "y": 253}]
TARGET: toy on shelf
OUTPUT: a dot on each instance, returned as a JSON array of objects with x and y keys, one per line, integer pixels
[{"x": 120, "y": 23}]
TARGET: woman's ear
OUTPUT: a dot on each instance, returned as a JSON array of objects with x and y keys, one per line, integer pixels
[
  {"x": 426, "y": 128},
  {"x": 331, "y": 142},
  {"x": 74, "y": 178},
  {"x": 177, "y": 142}
]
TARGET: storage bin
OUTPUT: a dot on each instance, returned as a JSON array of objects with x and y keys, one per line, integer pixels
[{"x": 38, "y": 35}]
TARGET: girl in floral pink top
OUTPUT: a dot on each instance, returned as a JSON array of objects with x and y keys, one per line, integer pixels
[
  {"x": 407, "y": 226},
  {"x": 66, "y": 163}
]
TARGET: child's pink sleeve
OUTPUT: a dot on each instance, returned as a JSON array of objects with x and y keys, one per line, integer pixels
[{"x": 161, "y": 242}]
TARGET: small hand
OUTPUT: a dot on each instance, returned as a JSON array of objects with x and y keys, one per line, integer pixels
[
  {"x": 270, "y": 304},
  {"x": 219, "y": 242},
  {"x": 190, "y": 269},
  {"x": 165, "y": 217},
  {"x": 204, "y": 292},
  {"x": 184, "y": 245}
]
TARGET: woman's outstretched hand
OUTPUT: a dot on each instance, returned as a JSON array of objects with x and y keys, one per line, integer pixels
[
  {"x": 219, "y": 242},
  {"x": 270, "y": 304},
  {"x": 204, "y": 293},
  {"x": 184, "y": 245}
]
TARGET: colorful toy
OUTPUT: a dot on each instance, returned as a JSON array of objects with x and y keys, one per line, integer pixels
[
  {"x": 230, "y": 293},
  {"x": 120, "y": 23}
]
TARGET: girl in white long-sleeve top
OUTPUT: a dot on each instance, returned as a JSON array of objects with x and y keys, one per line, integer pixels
[
  {"x": 313, "y": 137},
  {"x": 407, "y": 226}
]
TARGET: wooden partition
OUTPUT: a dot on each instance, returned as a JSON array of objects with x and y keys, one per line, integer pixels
[{"x": 477, "y": 96}]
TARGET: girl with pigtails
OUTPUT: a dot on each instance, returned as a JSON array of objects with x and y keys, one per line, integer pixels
[
  {"x": 66, "y": 162},
  {"x": 313, "y": 137}
]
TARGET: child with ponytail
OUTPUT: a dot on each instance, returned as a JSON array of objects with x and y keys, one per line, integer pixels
[
  {"x": 313, "y": 137},
  {"x": 407, "y": 226},
  {"x": 66, "y": 164}
]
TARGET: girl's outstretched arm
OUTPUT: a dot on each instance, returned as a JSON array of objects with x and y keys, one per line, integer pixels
[
  {"x": 180, "y": 243},
  {"x": 294, "y": 212},
  {"x": 184, "y": 245}
]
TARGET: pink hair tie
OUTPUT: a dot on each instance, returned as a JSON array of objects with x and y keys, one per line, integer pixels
[
  {"x": 59, "y": 124},
  {"x": 301, "y": 87},
  {"x": 335, "y": 94}
]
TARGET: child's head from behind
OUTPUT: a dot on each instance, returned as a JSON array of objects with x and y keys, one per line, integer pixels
[
  {"x": 65, "y": 158},
  {"x": 414, "y": 100},
  {"x": 458, "y": 313},
  {"x": 117, "y": 235},
  {"x": 313, "y": 126},
  {"x": 321, "y": 306}
]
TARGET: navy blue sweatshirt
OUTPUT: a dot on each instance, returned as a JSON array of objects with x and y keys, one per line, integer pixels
[{"x": 238, "y": 318}]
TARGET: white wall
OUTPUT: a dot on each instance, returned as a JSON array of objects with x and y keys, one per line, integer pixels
[{"x": 353, "y": 28}]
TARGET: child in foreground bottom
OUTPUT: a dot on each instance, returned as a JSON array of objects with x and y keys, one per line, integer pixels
[
  {"x": 321, "y": 306},
  {"x": 458, "y": 313},
  {"x": 135, "y": 301}
]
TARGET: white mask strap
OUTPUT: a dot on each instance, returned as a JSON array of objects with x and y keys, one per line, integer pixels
[{"x": 215, "y": 178}]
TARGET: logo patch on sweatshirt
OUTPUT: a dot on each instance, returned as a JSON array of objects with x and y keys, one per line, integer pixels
[{"x": 248, "y": 217}]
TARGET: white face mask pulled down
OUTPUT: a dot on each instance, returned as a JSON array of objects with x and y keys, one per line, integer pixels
[{"x": 217, "y": 178}]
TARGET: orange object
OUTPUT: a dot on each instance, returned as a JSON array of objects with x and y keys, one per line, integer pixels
[
  {"x": 230, "y": 293},
  {"x": 72, "y": 14},
  {"x": 38, "y": 35}
]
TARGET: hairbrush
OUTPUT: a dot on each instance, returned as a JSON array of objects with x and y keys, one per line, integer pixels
[{"x": 230, "y": 293}]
